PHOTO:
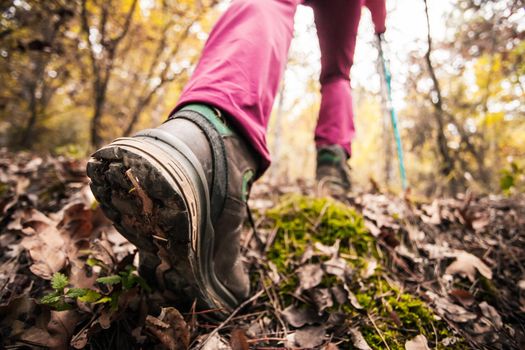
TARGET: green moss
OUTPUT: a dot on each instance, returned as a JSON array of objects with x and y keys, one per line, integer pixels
[
  {"x": 364, "y": 300},
  {"x": 301, "y": 222}
]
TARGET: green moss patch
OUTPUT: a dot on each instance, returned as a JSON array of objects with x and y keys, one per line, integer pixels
[{"x": 324, "y": 232}]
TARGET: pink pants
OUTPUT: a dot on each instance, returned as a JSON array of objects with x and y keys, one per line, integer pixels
[{"x": 244, "y": 58}]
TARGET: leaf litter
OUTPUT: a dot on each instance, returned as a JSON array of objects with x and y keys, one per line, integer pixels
[{"x": 393, "y": 273}]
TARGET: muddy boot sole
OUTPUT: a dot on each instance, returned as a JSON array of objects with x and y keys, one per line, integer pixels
[{"x": 156, "y": 197}]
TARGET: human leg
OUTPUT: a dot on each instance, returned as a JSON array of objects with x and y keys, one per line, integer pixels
[
  {"x": 336, "y": 22},
  {"x": 241, "y": 67}
]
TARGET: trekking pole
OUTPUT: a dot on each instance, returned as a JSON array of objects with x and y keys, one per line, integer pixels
[{"x": 393, "y": 116}]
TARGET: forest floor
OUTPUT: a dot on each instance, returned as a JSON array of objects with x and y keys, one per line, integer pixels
[{"x": 370, "y": 271}]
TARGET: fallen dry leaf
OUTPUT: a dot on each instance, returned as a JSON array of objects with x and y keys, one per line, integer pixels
[
  {"x": 80, "y": 340},
  {"x": 215, "y": 342},
  {"x": 463, "y": 296},
  {"x": 259, "y": 328},
  {"x": 330, "y": 251},
  {"x": 371, "y": 265},
  {"x": 47, "y": 250},
  {"x": 310, "y": 337},
  {"x": 436, "y": 251},
  {"x": 274, "y": 273},
  {"x": 336, "y": 266},
  {"x": 419, "y": 342},
  {"x": 238, "y": 340},
  {"x": 480, "y": 223},
  {"x": 358, "y": 340},
  {"x": 76, "y": 220},
  {"x": 61, "y": 328},
  {"x": 36, "y": 336},
  {"x": 372, "y": 228},
  {"x": 170, "y": 328},
  {"x": 447, "y": 309},
  {"x": 433, "y": 210},
  {"x": 352, "y": 298},
  {"x": 322, "y": 298},
  {"x": 298, "y": 317},
  {"x": 466, "y": 265},
  {"x": 491, "y": 313},
  {"x": 339, "y": 294},
  {"x": 310, "y": 275},
  {"x": 307, "y": 255}
]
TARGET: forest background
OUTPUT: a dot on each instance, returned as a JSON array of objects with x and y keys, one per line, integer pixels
[{"x": 75, "y": 74}]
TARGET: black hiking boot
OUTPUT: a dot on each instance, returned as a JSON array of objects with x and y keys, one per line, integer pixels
[
  {"x": 178, "y": 192},
  {"x": 332, "y": 171}
]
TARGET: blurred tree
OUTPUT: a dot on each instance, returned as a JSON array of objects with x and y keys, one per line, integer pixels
[
  {"x": 77, "y": 73},
  {"x": 447, "y": 162},
  {"x": 475, "y": 87},
  {"x": 83, "y": 71},
  {"x": 143, "y": 55},
  {"x": 163, "y": 67},
  {"x": 104, "y": 25},
  {"x": 32, "y": 43}
]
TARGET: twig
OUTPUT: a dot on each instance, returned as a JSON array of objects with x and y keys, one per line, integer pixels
[
  {"x": 273, "y": 302},
  {"x": 258, "y": 313},
  {"x": 232, "y": 315},
  {"x": 378, "y": 331},
  {"x": 208, "y": 311},
  {"x": 321, "y": 215},
  {"x": 147, "y": 204},
  {"x": 435, "y": 335},
  {"x": 270, "y": 239},
  {"x": 266, "y": 339}
]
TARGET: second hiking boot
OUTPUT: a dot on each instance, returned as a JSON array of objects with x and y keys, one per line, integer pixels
[{"x": 332, "y": 171}]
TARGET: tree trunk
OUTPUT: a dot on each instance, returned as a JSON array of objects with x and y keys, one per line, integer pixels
[
  {"x": 99, "y": 91},
  {"x": 96, "y": 138},
  {"x": 447, "y": 165},
  {"x": 28, "y": 130},
  {"x": 102, "y": 67}
]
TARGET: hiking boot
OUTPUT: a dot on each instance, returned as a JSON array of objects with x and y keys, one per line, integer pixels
[
  {"x": 332, "y": 171},
  {"x": 178, "y": 192}
]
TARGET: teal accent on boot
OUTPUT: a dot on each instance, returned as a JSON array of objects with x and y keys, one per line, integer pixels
[
  {"x": 247, "y": 179},
  {"x": 327, "y": 157},
  {"x": 210, "y": 114}
]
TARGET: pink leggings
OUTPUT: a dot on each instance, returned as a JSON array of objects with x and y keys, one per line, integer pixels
[{"x": 244, "y": 58}]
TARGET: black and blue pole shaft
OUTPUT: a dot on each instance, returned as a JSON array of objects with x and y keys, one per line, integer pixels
[{"x": 393, "y": 115}]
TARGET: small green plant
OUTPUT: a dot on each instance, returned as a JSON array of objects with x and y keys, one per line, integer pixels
[
  {"x": 57, "y": 298},
  {"x": 64, "y": 298}
]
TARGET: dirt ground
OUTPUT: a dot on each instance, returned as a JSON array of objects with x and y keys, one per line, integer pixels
[{"x": 371, "y": 271}]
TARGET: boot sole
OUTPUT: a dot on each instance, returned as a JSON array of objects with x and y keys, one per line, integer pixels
[{"x": 156, "y": 199}]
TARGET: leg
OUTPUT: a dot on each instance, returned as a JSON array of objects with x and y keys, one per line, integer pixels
[
  {"x": 241, "y": 66},
  {"x": 337, "y": 22}
]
